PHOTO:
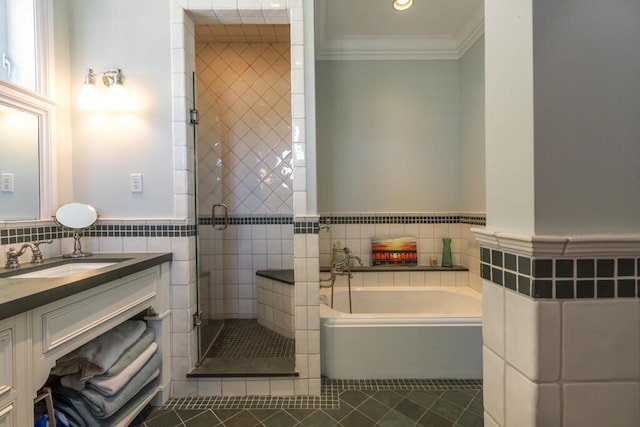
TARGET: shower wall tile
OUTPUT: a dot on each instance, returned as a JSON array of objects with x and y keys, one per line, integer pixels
[
  {"x": 209, "y": 387},
  {"x": 612, "y": 404},
  {"x": 258, "y": 387},
  {"x": 493, "y": 368},
  {"x": 521, "y": 399},
  {"x": 250, "y": 86},
  {"x": 582, "y": 321},
  {"x": 532, "y": 337}
]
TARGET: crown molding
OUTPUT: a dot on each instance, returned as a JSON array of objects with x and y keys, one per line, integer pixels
[
  {"x": 471, "y": 31},
  {"x": 330, "y": 48},
  {"x": 560, "y": 246}
]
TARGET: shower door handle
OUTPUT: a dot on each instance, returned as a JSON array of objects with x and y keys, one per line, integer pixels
[{"x": 225, "y": 217}]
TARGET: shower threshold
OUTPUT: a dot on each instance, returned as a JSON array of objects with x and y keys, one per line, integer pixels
[{"x": 244, "y": 348}]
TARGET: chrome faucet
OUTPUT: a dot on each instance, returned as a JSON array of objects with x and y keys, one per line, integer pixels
[
  {"x": 342, "y": 267},
  {"x": 36, "y": 255}
]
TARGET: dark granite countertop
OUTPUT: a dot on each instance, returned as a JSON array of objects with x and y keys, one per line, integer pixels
[
  {"x": 380, "y": 268},
  {"x": 284, "y": 276},
  {"x": 18, "y": 295}
]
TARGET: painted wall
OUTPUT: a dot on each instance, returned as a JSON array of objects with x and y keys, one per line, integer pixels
[
  {"x": 471, "y": 169},
  {"x": 62, "y": 95},
  {"x": 587, "y": 100},
  {"x": 388, "y": 136},
  {"x": 509, "y": 115},
  {"x": 108, "y": 147}
]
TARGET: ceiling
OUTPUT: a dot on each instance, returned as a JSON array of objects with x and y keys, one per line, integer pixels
[
  {"x": 360, "y": 29},
  {"x": 245, "y": 33},
  {"x": 372, "y": 29}
]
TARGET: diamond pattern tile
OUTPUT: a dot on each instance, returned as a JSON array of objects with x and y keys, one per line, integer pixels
[{"x": 246, "y": 88}]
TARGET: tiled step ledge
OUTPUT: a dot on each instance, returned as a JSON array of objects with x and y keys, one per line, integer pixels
[{"x": 286, "y": 276}]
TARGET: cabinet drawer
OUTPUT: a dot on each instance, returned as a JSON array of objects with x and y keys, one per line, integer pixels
[
  {"x": 7, "y": 361},
  {"x": 67, "y": 319},
  {"x": 8, "y": 416}
]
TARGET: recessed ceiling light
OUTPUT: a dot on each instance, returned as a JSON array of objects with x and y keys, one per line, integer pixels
[{"x": 402, "y": 4}]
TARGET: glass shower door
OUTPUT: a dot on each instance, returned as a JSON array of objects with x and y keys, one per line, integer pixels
[{"x": 208, "y": 172}]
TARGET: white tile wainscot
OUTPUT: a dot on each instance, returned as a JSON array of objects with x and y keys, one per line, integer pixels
[{"x": 276, "y": 304}]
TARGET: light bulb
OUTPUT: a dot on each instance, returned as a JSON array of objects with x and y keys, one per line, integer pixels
[
  {"x": 119, "y": 98},
  {"x": 90, "y": 98},
  {"x": 402, "y": 4}
]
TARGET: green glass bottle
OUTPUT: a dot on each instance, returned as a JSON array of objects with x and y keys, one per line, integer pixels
[{"x": 447, "y": 260}]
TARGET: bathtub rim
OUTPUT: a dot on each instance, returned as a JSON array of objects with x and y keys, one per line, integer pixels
[{"x": 330, "y": 316}]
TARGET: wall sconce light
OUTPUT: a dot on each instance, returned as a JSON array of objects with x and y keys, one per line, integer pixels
[
  {"x": 91, "y": 99},
  {"x": 402, "y": 4}
]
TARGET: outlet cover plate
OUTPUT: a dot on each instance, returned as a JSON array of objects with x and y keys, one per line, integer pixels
[
  {"x": 7, "y": 182},
  {"x": 135, "y": 182}
]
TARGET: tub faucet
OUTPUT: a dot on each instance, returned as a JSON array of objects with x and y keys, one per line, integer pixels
[
  {"x": 36, "y": 255},
  {"x": 356, "y": 257}
]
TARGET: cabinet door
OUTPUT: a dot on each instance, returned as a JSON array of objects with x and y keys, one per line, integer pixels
[
  {"x": 7, "y": 361},
  {"x": 8, "y": 416},
  {"x": 15, "y": 404}
]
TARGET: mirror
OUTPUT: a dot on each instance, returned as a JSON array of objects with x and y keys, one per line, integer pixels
[
  {"x": 77, "y": 217},
  {"x": 19, "y": 166}
]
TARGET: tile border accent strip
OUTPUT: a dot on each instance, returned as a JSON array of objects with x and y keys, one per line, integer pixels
[
  {"x": 328, "y": 399},
  {"x": 562, "y": 278},
  {"x": 23, "y": 234},
  {"x": 248, "y": 220},
  {"x": 479, "y": 219},
  {"x": 9, "y": 236}
]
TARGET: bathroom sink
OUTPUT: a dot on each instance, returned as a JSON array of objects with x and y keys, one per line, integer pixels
[{"x": 64, "y": 270}]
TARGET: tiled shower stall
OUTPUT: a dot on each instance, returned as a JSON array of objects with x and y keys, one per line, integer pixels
[
  {"x": 244, "y": 160},
  {"x": 252, "y": 233}
]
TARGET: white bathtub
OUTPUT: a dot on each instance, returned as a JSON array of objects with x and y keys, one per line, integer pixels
[{"x": 402, "y": 332}]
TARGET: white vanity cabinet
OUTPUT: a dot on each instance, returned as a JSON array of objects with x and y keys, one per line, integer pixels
[
  {"x": 14, "y": 372},
  {"x": 31, "y": 342}
]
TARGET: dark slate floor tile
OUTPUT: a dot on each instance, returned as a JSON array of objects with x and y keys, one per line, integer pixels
[
  {"x": 394, "y": 418},
  {"x": 205, "y": 419},
  {"x": 410, "y": 409},
  {"x": 242, "y": 419},
  {"x": 263, "y": 414},
  {"x": 357, "y": 419},
  {"x": 318, "y": 419},
  {"x": 431, "y": 419},
  {"x": 373, "y": 409},
  {"x": 280, "y": 419},
  {"x": 469, "y": 419},
  {"x": 225, "y": 414},
  {"x": 166, "y": 419},
  {"x": 187, "y": 414},
  {"x": 423, "y": 398},
  {"x": 457, "y": 397},
  {"x": 341, "y": 412},
  {"x": 353, "y": 397},
  {"x": 388, "y": 397},
  {"x": 476, "y": 406},
  {"x": 300, "y": 414},
  {"x": 447, "y": 409}
]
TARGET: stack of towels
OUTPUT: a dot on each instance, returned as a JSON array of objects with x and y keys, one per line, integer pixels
[{"x": 105, "y": 378}]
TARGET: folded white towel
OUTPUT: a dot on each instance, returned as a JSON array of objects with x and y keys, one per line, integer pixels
[
  {"x": 110, "y": 385},
  {"x": 99, "y": 354},
  {"x": 130, "y": 354}
]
